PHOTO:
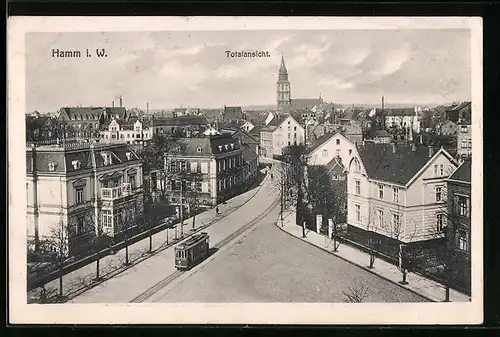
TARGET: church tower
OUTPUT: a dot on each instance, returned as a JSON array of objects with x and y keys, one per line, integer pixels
[{"x": 283, "y": 89}]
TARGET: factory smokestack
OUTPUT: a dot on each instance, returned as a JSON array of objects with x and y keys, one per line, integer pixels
[{"x": 121, "y": 101}]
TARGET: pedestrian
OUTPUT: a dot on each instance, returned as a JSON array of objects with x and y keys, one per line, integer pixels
[
  {"x": 217, "y": 210},
  {"x": 43, "y": 295},
  {"x": 271, "y": 176}
]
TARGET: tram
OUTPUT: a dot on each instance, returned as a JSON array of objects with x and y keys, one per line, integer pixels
[{"x": 192, "y": 251}]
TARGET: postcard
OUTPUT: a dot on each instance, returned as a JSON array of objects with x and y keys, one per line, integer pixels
[{"x": 245, "y": 170}]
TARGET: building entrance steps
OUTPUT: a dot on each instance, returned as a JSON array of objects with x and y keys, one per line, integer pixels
[{"x": 418, "y": 284}]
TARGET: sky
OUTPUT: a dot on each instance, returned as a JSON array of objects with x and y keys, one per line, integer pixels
[{"x": 180, "y": 68}]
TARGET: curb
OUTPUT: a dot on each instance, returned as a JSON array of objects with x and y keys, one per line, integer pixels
[
  {"x": 143, "y": 258},
  {"x": 358, "y": 265}
]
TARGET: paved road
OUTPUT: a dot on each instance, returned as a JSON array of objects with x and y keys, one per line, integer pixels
[
  {"x": 269, "y": 265},
  {"x": 133, "y": 282}
]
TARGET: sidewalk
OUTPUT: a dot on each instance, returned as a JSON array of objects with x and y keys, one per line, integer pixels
[
  {"x": 78, "y": 281},
  {"x": 429, "y": 289}
]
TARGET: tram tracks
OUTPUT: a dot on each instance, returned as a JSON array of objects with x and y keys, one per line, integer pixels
[{"x": 170, "y": 278}]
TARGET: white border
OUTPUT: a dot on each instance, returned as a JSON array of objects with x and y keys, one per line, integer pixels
[{"x": 216, "y": 313}]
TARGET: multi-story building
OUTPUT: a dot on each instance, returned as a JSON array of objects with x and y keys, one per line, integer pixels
[
  {"x": 178, "y": 124},
  {"x": 281, "y": 132},
  {"x": 133, "y": 130},
  {"x": 398, "y": 191},
  {"x": 217, "y": 163},
  {"x": 459, "y": 226},
  {"x": 459, "y": 113},
  {"x": 401, "y": 118},
  {"x": 464, "y": 141},
  {"x": 329, "y": 147},
  {"x": 84, "y": 189},
  {"x": 85, "y": 122}
]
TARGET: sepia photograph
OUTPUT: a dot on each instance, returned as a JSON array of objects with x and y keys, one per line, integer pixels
[{"x": 245, "y": 170}]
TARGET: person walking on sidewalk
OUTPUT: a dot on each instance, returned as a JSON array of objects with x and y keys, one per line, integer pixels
[{"x": 217, "y": 210}]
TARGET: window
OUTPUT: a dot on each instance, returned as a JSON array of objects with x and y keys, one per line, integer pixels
[
  {"x": 395, "y": 194},
  {"x": 183, "y": 166},
  {"x": 131, "y": 181},
  {"x": 79, "y": 195},
  {"x": 288, "y": 122},
  {"x": 79, "y": 225},
  {"x": 380, "y": 216},
  {"x": 107, "y": 218},
  {"x": 289, "y": 135},
  {"x": 194, "y": 166},
  {"x": 395, "y": 221},
  {"x": 462, "y": 204},
  {"x": 198, "y": 186},
  {"x": 441, "y": 170},
  {"x": 463, "y": 144},
  {"x": 204, "y": 187},
  {"x": 440, "y": 222},
  {"x": 325, "y": 153},
  {"x": 358, "y": 187},
  {"x": 294, "y": 128},
  {"x": 357, "y": 166},
  {"x": 435, "y": 170},
  {"x": 464, "y": 128},
  {"x": 470, "y": 143},
  {"x": 439, "y": 194},
  {"x": 463, "y": 243},
  {"x": 350, "y": 152},
  {"x": 381, "y": 191},
  {"x": 358, "y": 212},
  {"x": 337, "y": 152},
  {"x": 337, "y": 141}
]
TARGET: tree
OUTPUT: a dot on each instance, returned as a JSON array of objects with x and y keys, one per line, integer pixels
[
  {"x": 356, "y": 293},
  {"x": 373, "y": 225},
  {"x": 192, "y": 194},
  {"x": 58, "y": 243}
]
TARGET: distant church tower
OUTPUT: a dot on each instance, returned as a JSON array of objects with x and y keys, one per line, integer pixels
[{"x": 283, "y": 89}]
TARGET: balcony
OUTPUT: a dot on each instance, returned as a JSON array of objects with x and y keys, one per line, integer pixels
[{"x": 114, "y": 193}]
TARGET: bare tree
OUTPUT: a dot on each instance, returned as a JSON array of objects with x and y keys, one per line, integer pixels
[
  {"x": 58, "y": 243},
  {"x": 193, "y": 193},
  {"x": 356, "y": 293}
]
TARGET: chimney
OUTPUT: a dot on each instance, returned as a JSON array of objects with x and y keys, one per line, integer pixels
[
  {"x": 413, "y": 146},
  {"x": 121, "y": 102},
  {"x": 147, "y": 108},
  {"x": 393, "y": 147},
  {"x": 113, "y": 103},
  {"x": 431, "y": 151}
]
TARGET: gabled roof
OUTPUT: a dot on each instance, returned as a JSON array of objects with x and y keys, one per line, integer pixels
[
  {"x": 249, "y": 153},
  {"x": 243, "y": 134},
  {"x": 335, "y": 165},
  {"x": 463, "y": 172},
  {"x": 400, "y": 167},
  {"x": 460, "y": 106},
  {"x": 444, "y": 122},
  {"x": 208, "y": 145},
  {"x": 180, "y": 120},
  {"x": 322, "y": 140},
  {"x": 305, "y": 103}
]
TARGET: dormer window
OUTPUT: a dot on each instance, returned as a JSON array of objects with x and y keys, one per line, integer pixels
[
  {"x": 107, "y": 158},
  {"x": 76, "y": 164},
  {"x": 52, "y": 166},
  {"x": 198, "y": 149},
  {"x": 128, "y": 155},
  {"x": 225, "y": 146},
  {"x": 220, "y": 148},
  {"x": 232, "y": 146}
]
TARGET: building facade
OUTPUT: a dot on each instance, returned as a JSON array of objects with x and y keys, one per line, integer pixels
[
  {"x": 446, "y": 128},
  {"x": 281, "y": 132},
  {"x": 464, "y": 141},
  {"x": 84, "y": 189},
  {"x": 459, "y": 226},
  {"x": 399, "y": 191},
  {"x": 215, "y": 164},
  {"x": 329, "y": 147}
]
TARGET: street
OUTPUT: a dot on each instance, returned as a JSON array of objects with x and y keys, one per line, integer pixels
[
  {"x": 269, "y": 265},
  {"x": 261, "y": 264}
]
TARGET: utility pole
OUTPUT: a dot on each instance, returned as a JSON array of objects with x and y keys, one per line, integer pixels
[{"x": 180, "y": 210}]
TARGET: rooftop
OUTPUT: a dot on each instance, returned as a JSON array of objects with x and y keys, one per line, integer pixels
[
  {"x": 463, "y": 172},
  {"x": 399, "y": 167}
]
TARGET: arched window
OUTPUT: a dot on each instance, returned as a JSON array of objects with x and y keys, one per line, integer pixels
[{"x": 356, "y": 165}]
